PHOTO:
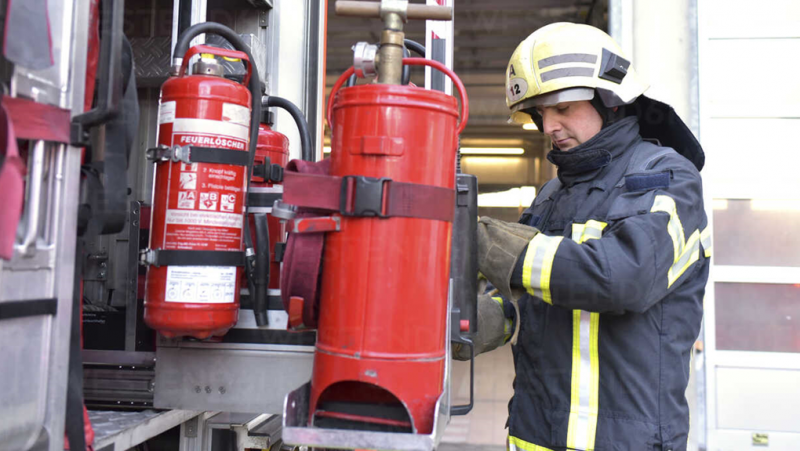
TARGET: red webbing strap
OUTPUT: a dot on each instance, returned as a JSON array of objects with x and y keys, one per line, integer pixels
[
  {"x": 300, "y": 273},
  {"x": 420, "y": 201},
  {"x": 12, "y": 185},
  {"x": 409, "y": 200},
  {"x": 38, "y": 121},
  {"x": 302, "y": 259}
]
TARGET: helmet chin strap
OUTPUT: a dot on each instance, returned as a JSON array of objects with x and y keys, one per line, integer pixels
[{"x": 609, "y": 115}]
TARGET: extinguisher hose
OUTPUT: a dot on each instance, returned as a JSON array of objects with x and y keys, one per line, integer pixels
[
  {"x": 307, "y": 153},
  {"x": 181, "y": 47},
  {"x": 261, "y": 282}
]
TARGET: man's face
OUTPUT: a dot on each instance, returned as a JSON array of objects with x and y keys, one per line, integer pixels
[{"x": 569, "y": 124}]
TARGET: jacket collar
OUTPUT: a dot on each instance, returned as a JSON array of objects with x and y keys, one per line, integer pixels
[{"x": 586, "y": 161}]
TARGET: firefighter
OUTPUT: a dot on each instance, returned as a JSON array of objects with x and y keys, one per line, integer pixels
[{"x": 601, "y": 282}]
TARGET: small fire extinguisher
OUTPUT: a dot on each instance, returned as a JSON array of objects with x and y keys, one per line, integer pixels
[{"x": 208, "y": 128}]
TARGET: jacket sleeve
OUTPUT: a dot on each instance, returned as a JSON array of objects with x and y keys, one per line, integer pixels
[{"x": 647, "y": 251}]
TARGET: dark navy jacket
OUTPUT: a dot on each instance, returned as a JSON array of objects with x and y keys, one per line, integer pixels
[{"x": 615, "y": 283}]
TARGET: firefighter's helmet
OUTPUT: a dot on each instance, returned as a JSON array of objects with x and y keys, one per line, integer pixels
[{"x": 565, "y": 62}]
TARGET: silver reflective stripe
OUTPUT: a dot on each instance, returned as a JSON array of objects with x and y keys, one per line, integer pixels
[
  {"x": 568, "y": 58},
  {"x": 705, "y": 240},
  {"x": 667, "y": 205},
  {"x": 691, "y": 254},
  {"x": 532, "y": 267},
  {"x": 591, "y": 233},
  {"x": 584, "y": 387},
  {"x": 567, "y": 72}
]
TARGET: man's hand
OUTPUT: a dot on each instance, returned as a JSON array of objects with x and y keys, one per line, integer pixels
[
  {"x": 494, "y": 329},
  {"x": 500, "y": 245}
]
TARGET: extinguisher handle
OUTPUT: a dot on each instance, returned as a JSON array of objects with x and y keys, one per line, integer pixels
[
  {"x": 462, "y": 91},
  {"x": 227, "y": 53}
]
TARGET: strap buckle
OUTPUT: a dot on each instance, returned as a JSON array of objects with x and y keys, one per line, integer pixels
[
  {"x": 367, "y": 196},
  {"x": 166, "y": 153}
]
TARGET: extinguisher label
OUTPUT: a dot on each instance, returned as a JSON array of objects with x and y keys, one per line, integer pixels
[
  {"x": 205, "y": 207},
  {"x": 201, "y": 284},
  {"x": 166, "y": 113},
  {"x": 237, "y": 114},
  {"x": 205, "y": 219}
]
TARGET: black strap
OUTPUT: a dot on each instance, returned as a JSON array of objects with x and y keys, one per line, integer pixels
[
  {"x": 197, "y": 258},
  {"x": 33, "y": 307},
  {"x": 74, "y": 427},
  {"x": 263, "y": 199},
  {"x": 219, "y": 156}
]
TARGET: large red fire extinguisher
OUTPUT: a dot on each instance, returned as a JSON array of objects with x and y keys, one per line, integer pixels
[
  {"x": 381, "y": 328},
  {"x": 196, "y": 252}
]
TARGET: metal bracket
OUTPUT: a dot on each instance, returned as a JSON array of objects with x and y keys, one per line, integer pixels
[
  {"x": 191, "y": 428},
  {"x": 283, "y": 211},
  {"x": 166, "y": 153},
  {"x": 316, "y": 224}
]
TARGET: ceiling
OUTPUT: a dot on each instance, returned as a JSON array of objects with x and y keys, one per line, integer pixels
[{"x": 486, "y": 33}]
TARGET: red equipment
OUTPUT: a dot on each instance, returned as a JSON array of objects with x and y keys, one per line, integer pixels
[
  {"x": 383, "y": 303},
  {"x": 274, "y": 146},
  {"x": 199, "y": 201}
]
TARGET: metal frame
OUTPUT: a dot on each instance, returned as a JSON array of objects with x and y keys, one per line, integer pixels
[
  {"x": 47, "y": 268},
  {"x": 713, "y": 359}
]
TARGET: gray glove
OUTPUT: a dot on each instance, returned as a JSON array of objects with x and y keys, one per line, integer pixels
[
  {"x": 493, "y": 329},
  {"x": 500, "y": 244}
]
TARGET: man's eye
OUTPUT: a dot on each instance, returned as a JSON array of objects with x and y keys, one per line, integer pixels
[{"x": 562, "y": 109}]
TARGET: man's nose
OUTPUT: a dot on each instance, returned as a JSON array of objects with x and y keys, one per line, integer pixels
[{"x": 549, "y": 123}]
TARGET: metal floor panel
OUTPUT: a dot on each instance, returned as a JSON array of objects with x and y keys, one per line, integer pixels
[{"x": 118, "y": 430}]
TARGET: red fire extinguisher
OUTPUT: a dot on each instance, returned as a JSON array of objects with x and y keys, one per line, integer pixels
[
  {"x": 383, "y": 316},
  {"x": 196, "y": 250},
  {"x": 267, "y": 231}
]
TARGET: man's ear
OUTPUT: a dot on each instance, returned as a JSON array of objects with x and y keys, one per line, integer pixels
[{"x": 616, "y": 108}]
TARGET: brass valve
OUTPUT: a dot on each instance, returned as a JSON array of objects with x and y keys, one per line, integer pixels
[{"x": 394, "y": 14}]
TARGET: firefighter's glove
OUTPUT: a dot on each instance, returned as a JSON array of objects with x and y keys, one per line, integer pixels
[
  {"x": 500, "y": 245},
  {"x": 494, "y": 329}
]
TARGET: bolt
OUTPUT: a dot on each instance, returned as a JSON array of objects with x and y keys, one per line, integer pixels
[
  {"x": 135, "y": 223},
  {"x": 103, "y": 264},
  {"x": 197, "y": 389},
  {"x": 101, "y": 274},
  {"x": 222, "y": 390},
  {"x": 208, "y": 389}
]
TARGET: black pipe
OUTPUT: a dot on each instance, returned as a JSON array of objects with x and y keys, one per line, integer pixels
[
  {"x": 261, "y": 281},
  {"x": 255, "y": 103},
  {"x": 415, "y": 47},
  {"x": 307, "y": 153}
]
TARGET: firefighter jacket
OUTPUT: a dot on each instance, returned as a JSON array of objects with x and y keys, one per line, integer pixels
[{"x": 615, "y": 286}]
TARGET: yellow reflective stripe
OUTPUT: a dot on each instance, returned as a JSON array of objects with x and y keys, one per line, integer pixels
[
  {"x": 538, "y": 265},
  {"x": 574, "y": 402},
  {"x": 705, "y": 241},
  {"x": 686, "y": 251},
  {"x": 507, "y": 323},
  {"x": 516, "y": 444},
  {"x": 594, "y": 394},
  {"x": 584, "y": 399},
  {"x": 527, "y": 267}
]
